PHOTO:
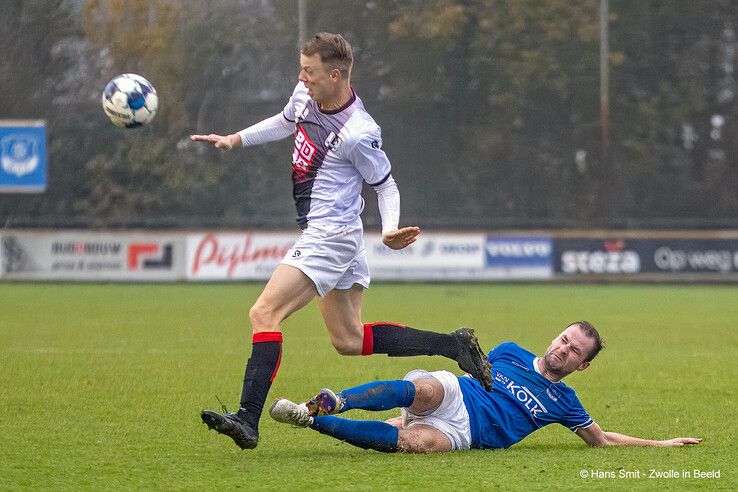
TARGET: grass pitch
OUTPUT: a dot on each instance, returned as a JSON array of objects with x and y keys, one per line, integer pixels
[{"x": 101, "y": 387}]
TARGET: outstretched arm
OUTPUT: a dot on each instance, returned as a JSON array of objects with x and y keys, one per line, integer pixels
[
  {"x": 595, "y": 436},
  {"x": 274, "y": 128},
  {"x": 223, "y": 142}
]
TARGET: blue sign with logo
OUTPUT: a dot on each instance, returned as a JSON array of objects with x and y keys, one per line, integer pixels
[
  {"x": 519, "y": 251},
  {"x": 22, "y": 156}
]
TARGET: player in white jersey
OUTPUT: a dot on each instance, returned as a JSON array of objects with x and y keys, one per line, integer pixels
[{"x": 337, "y": 147}]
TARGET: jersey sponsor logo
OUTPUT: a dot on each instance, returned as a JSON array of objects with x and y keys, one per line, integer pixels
[
  {"x": 332, "y": 142},
  {"x": 521, "y": 366},
  {"x": 297, "y": 253},
  {"x": 301, "y": 112},
  {"x": 522, "y": 394},
  {"x": 302, "y": 155},
  {"x": 376, "y": 144}
]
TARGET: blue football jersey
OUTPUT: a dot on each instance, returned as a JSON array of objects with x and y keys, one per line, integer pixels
[{"x": 521, "y": 401}]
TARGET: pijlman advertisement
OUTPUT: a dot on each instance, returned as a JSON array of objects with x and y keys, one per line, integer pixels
[{"x": 249, "y": 255}]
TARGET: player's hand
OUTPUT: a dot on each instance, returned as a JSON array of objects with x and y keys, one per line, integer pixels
[
  {"x": 680, "y": 441},
  {"x": 401, "y": 237},
  {"x": 223, "y": 142}
]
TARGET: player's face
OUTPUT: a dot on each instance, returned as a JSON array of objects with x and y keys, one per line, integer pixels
[
  {"x": 320, "y": 81},
  {"x": 568, "y": 351}
]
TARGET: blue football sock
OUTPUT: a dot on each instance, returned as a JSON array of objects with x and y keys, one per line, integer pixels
[
  {"x": 379, "y": 395},
  {"x": 366, "y": 434}
]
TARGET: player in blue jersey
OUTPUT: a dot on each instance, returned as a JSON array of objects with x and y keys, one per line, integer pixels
[
  {"x": 337, "y": 147},
  {"x": 443, "y": 412}
]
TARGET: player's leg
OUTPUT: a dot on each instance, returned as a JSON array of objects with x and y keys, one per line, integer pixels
[
  {"x": 398, "y": 340},
  {"x": 422, "y": 438},
  {"x": 367, "y": 434},
  {"x": 381, "y": 436},
  {"x": 341, "y": 310},
  {"x": 422, "y": 398},
  {"x": 287, "y": 291}
]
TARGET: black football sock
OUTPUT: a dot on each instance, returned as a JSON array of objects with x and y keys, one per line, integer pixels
[
  {"x": 261, "y": 368},
  {"x": 400, "y": 341}
]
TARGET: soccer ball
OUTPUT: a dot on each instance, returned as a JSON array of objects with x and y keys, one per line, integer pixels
[{"x": 130, "y": 100}]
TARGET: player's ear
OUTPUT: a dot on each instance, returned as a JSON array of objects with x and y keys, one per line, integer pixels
[{"x": 583, "y": 366}]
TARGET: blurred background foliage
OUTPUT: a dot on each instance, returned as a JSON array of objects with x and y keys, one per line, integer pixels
[{"x": 490, "y": 109}]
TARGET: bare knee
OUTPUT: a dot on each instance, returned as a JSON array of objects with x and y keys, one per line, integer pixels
[
  {"x": 347, "y": 338},
  {"x": 423, "y": 439},
  {"x": 428, "y": 396},
  {"x": 347, "y": 345},
  {"x": 262, "y": 317}
]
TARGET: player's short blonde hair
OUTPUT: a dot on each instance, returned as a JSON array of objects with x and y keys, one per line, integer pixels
[{"x": 334, "y": 51}]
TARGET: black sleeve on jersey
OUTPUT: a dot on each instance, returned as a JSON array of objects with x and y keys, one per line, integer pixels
[{"x": 382, "y": 180}]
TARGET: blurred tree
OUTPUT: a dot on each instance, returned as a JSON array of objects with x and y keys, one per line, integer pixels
[
  {"x": 42, "y": 77},
  {"x": 489, "y": 108},
  {"x": 200, "y": 79},
  {"x": 130, "y": 180},
  {"x": 141, "y": 36},
  {"x": 525, "y": 106},
  {"x": 519, "y": 80},
  {"x": 30, "y": 32},
  {"x": 676, "y": 109}
]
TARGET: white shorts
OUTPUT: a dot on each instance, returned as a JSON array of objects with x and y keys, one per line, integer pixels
[
  {"x": 333, "y": 256},
  {"x": 450, "y": 417}
]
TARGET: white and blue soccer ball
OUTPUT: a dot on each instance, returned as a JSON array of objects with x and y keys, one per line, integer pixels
[{"x": 130, "y": 100}]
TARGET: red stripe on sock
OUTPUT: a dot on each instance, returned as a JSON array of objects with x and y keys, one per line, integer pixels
[
  {"x": 267, "y": 336},
  {"x": 367, "y": 347},
  {"x": 276, "y": 368},
  {"x": 388, "y": 323}
]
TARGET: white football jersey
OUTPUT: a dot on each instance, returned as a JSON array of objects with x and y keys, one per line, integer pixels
[{"x": 334, "y": 152}]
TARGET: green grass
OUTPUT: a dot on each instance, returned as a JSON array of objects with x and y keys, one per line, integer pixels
[{"x": 101, "y": 387}]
